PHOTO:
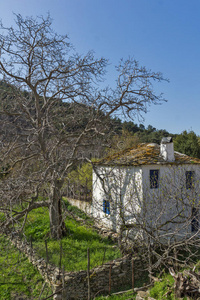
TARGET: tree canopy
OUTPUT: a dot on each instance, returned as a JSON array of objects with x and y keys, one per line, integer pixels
[{"x": 187, "y": 143}]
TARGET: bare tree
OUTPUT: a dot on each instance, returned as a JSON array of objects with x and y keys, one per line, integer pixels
[{"x": 51, "y": 109}]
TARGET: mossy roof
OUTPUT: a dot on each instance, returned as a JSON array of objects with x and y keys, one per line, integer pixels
[{"x": 144, "y": 154}]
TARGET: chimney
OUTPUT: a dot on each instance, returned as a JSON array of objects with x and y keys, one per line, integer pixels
[{"x": 167, "y": 149}]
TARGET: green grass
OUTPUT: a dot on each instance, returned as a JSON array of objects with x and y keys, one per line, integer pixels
[
  {"x": 76, "y": 211},
  {"x": 73, "y": 255},
  {"x": 163, "y": 289},
  {"x": 18, "y": 277}
]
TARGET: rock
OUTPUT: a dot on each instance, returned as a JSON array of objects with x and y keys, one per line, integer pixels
[
  {"x": 139, "y": 298},
  {"x": 67, "y": 278},
  {"x": 57, "y": 297},
  {"x": 143, "y": 294}
]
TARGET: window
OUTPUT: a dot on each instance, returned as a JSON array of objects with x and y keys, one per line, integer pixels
[
  {"x": 195, "y": 220},
  {"x": 106, "y": 207},
  {"x": 189, "y": 179},
  {"x": 154, "y": 179}
]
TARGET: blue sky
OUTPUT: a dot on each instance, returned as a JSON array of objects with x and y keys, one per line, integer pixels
[{"x": 163, "y": 35}]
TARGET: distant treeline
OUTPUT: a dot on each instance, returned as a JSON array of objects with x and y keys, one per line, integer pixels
[{"x": 187, "y": 142}]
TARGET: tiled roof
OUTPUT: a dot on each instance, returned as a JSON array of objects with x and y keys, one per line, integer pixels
[{"x": 144, "y": 154}]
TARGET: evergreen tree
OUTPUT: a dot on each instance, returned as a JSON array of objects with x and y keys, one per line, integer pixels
[{"x": 187, "y": 143}]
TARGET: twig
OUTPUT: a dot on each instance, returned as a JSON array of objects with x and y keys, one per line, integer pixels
[
  {"x": 42, "y": 290},
  {"x": 88, "y": 272},
  {"x": 132, "y": 267}
]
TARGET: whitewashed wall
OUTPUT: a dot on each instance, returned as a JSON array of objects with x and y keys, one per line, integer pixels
[
  {"x": 168, "y": 208},
  {"x": 122, "y": 187},
  {"x": 132, "y": 200}
]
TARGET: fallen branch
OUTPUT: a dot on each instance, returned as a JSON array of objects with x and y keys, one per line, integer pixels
[
  {"x": 186, "y": 283},
  {"x": 143, "y": 288}
]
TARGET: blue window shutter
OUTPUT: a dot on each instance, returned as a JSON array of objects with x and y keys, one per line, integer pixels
[
  {"x": 108, "y": 207},
  {"x": 104, "y": 206}
]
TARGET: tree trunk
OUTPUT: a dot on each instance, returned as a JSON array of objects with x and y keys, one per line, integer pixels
[{"x": 57, "y": 225}]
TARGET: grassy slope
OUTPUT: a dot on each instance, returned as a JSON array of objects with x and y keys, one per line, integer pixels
[
  {"x": 72, "y": 248},
  {"x": 17, "y": 275}
]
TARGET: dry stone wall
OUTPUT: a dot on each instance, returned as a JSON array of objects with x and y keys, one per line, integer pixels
[
  {"x": 117, "y": 273},
  {"x": 74, "y": 285}
]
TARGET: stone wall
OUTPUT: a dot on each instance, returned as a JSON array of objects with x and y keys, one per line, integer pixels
[
  {"x": 119, "y": 271},
  {"x": 74, "y": 285}
]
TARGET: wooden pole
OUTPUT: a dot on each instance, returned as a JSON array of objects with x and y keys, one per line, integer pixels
[
  {"x": 88, "y": 272},
  {"x": 31, "y": 241},
  {"x": 63, "y": 280},
  {"x": 60, "y": 263},
  {"x": 150, "y": 261},
  {"x": 47, "y": 255},
  {"x": 132, "y": 264},
  {"x": 110, "y": 279},
  {"x": 86, "y": 190},
  {"x": 176, "y": 259}
]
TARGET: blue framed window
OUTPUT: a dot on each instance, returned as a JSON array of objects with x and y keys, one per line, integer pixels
[
  {"x": 189, "y": 179},
  {"x": 106, "y": 207},
  {"x": 154, "y": 179},
  {"x": 195, "y": 220}
]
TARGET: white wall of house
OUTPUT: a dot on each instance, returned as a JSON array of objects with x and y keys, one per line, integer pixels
[
  {"x": 167, "y": 208},
  {"x": 121, "y": 186}
]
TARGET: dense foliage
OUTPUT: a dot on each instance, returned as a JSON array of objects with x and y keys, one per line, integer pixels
[{"x": 188, "y": 143}]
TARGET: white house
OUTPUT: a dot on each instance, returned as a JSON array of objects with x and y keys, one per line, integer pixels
[{"x": 148, "y": 188}]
